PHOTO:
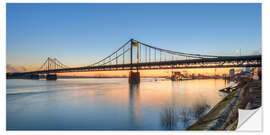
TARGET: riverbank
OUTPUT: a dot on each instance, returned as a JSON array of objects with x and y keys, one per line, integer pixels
[{"x": 224, "y": 116}]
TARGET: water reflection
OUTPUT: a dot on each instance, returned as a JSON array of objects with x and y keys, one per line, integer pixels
[
  {"x": 199, "y": 109},
  {"x": 134, "y": 105},
  {"x": 168, "y": 114},
  {"x": 108, "y": 104},
  {"x": 174, "y": 115},
  {"x": 168, "y": 117}
]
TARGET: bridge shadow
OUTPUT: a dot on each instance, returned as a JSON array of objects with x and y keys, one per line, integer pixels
[{"x": 134, "y": 105}]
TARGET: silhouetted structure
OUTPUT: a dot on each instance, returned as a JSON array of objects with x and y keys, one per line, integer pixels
[{"x": 148, "y": 57}]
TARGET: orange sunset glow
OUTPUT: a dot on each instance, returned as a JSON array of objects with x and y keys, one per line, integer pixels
[
  {"x": 131, "y": 66},
  {"x": 154, "y": 73}
]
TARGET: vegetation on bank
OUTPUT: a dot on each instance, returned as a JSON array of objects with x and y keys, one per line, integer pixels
[{"x": 224, "y": 116}]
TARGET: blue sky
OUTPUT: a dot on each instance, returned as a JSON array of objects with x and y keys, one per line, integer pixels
[{"x": 80, "y": 34}]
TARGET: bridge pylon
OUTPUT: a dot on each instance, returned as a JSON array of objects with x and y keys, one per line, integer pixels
[
  {"x": 50, "y": 66},
  {"x": 134, "y": 77}
]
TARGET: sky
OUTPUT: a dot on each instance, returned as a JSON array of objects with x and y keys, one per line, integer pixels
[{"x": 81, "y": 34}]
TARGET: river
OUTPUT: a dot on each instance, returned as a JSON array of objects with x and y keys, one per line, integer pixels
[{"x": 109, "y": 103}]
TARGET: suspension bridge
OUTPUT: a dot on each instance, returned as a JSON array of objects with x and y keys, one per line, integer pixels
[{"x": 135, "y": 55}]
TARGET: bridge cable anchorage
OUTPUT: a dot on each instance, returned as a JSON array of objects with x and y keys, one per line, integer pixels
[{"x": 52, "y": 64}]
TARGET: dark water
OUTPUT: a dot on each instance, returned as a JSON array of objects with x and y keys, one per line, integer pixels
[{"x": 108, "y": 104}]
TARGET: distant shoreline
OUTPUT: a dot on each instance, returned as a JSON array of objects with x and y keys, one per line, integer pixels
[{"x": 82, "y": 77}]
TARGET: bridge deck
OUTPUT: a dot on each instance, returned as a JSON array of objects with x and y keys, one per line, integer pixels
[{"x": 220, "y": 62}]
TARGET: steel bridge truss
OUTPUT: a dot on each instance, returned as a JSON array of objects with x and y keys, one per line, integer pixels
[{"x": 135, "y": 55}]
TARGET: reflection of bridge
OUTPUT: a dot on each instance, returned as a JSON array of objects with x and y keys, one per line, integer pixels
[{"x": 135, "y": 55}]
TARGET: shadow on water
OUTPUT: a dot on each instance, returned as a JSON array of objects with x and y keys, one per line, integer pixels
[{"x": 134, "y": 110}]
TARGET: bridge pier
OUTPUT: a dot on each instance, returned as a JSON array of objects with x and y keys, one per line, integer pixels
[
  {"x": 34, "y": 76},
  {"x": 134, "y": 77},
  {"x": 51, "y": 77}
]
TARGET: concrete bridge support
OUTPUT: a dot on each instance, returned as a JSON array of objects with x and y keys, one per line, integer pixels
[
  {"x": 34, "y": 76},
  {"x": 51, "y": 77},
  {"x": 134, "y": 77}
]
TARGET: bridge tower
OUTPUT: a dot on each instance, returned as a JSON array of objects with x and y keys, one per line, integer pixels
[
  {"x": 134, "y": 76},
  {"x": 50, "y": 66}
]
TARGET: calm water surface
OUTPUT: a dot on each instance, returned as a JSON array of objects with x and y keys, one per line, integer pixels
[{"x": 108, "y": 104}]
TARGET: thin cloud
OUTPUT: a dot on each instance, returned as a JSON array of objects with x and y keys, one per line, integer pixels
[{"x": 11, "y": 68}]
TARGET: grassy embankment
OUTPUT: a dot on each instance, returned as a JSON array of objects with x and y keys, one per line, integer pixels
[{"x": 224, "y": 116}]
